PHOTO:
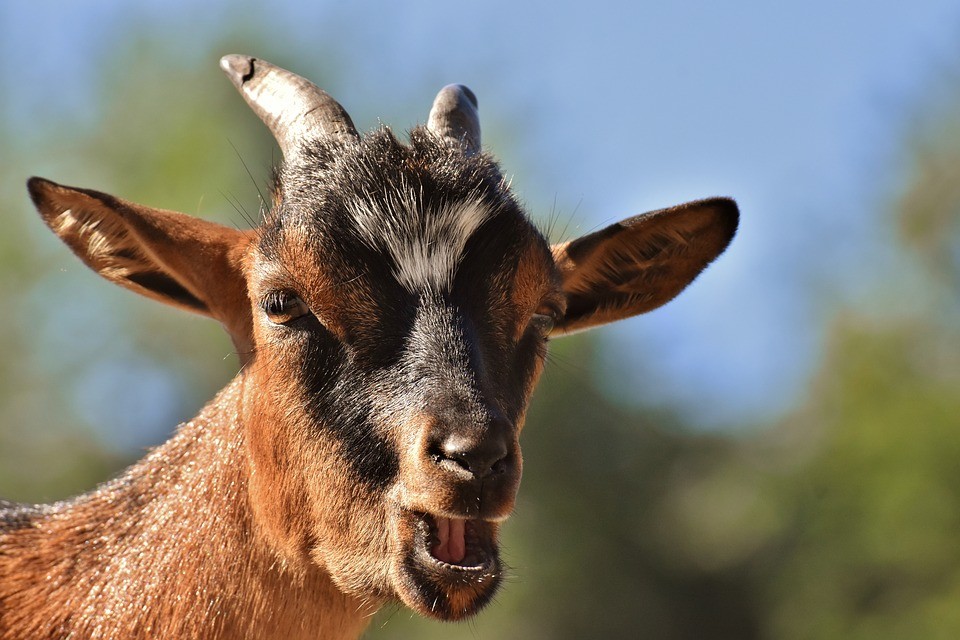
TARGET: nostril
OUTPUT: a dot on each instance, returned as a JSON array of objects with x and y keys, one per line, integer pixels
[
  {"x": 500, "y": 466},
  {"x": 460, "y": 459},
  {"x": 478, "y": 458}
]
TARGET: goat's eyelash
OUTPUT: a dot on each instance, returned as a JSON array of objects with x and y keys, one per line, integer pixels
[{"x": 283, "y": 307}]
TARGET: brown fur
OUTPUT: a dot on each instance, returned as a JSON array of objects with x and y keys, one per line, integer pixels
[{"x": 168, "y": 550}]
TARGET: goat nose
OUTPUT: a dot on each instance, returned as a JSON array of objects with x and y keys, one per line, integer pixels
[{"x": 480, "y": 458}]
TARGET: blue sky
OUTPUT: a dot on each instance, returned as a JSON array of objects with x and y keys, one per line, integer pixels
[{"x": 606, "y": 109}]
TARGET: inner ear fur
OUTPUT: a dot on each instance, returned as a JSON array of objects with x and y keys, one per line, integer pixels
[
  {"x": 177, "y": 259},
  {"x": 640, "y": 263}
]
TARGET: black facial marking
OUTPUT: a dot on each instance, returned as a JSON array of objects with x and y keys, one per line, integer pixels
[
  {"x": 487, "y": 300},
  {"x": 339, "y": 407},
  {"x": 372, "y": 457}
]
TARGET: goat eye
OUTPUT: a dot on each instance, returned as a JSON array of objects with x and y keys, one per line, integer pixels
[
  {"x": 283, "y": 307},
  {"x": 543, "y": 323}
]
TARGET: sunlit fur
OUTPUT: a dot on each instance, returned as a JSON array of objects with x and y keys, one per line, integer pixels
[{"x": 167, "y": 550}]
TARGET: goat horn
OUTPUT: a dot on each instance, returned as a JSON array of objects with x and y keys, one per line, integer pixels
[
  {"x": 454, "y": 116},
  {"x": 295, "y": 109}
]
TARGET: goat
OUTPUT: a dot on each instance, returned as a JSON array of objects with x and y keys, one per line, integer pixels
[{"x": 391, "y": 313}]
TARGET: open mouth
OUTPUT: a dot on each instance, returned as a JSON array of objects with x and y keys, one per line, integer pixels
[
  {"x": 451, "y": 567},
  {"x": 459, "y": 543}
]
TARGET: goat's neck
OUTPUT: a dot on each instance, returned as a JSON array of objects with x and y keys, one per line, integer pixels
[{"x": 167, "y": 547}]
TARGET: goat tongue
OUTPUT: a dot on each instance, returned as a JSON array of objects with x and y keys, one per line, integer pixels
[{"x": 452, "y": 546}]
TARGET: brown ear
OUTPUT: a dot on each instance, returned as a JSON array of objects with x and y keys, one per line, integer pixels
[
  {"x": 171, "y": 257},
  {"x": 638, "y": 264}
]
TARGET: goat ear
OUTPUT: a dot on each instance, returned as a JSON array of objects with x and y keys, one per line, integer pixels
[
  {"x": 636, "y": 265},
  {"x": 171, "y": 257}
]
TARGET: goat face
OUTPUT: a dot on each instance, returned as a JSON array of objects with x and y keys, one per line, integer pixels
[
  {"x": 401, "y": 304},
  {"x": 392, "y": 313}
]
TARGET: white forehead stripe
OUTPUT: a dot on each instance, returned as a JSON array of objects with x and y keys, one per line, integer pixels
[{"x": 426, "y": 246}]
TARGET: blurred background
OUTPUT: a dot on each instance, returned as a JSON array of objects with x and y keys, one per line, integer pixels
[{"x": 775, "y": 454}]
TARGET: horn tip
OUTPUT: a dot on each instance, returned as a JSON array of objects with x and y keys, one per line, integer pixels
[
  {"x": 238, "y": 67},
  {"x": 461, "y": 91}
]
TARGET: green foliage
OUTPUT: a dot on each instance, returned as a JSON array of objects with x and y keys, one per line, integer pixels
[
  {"x": 928, "y": 210},
  {"x": 871, "y": 551}
]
